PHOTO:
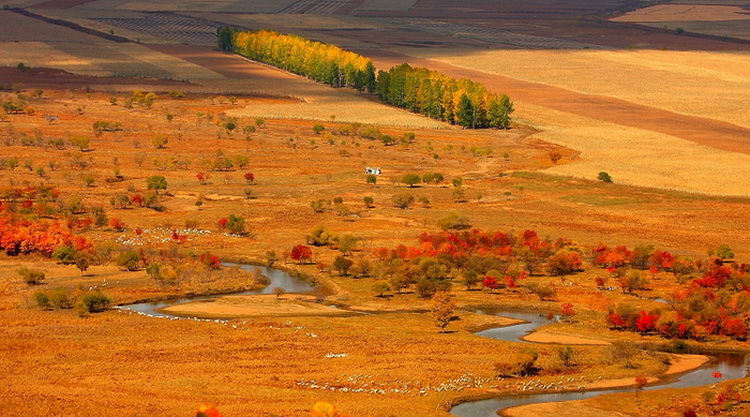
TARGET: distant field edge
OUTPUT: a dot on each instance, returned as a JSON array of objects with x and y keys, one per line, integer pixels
[{"x": 71, "y": 25}]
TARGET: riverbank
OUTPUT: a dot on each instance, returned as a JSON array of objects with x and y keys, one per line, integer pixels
[
  {"x": 233, "y": 306},
  {"x": 681, "y": 363}
]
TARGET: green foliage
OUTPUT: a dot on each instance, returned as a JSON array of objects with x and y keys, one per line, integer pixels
[
  {"x": 471, "y": 278},
  {"x": 82, "y": 142},
  {"x": 372, "y": 179},
  {"x": 320, "y": 236},
  {"x": 342, "y": 265},
  {"x": 156, "y": 183},
  {"x": 402, "y": 201},
  {"x": 130, "y": 260},
  {"x": 604, "y": 177},
  {"x": 369, "y": 201},
  {"x": 411, "y": 179},
  {"x": 723, "y": 252},
  {"x": 318, "y": 128},
  {"x": 160, "y": 141},
  {"x": 31, "y": 276},
  {"x": 235, "y": 224},
  {"x": 381, "y": 287},
  {"x": 454, "y": 221},
  {"x": 65, "y": 255},
  {"x": 347, "y": 243},
  {"x": 61, "y": 298},
  {"x": 42, "y": 299},
  {"x": 440, "y": 97},
  {"x": 92, "y": 302}
]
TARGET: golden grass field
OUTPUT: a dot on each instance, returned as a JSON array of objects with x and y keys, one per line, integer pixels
[{"x": 635, "y": 156}]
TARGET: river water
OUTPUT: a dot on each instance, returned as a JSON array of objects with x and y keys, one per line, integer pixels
[
  {"x": 731, "y": 366},
  {"x": 278, "y": 278}
]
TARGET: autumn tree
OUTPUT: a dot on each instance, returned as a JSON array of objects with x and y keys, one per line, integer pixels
[
  {"x": 31, "y": 276},
  {"x": 381, "y": 287},
  {"x": 279, "y": 291},
  {"x": 403, "y": 201},
  {"x": 443, "y": 308},
  {"x": 567, "y": 311},
  {"x": 301, "y": 254},
  {"x": 342, "y": 265},
  {"x": 156, "y": 183},
  {"x": 82, "y": 142},
  {"x": 411, "y": 180}
]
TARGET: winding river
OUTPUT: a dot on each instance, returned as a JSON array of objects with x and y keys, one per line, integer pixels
[
  {"x": 277, "y": 277},
  {"x": 731, "y": 365}
]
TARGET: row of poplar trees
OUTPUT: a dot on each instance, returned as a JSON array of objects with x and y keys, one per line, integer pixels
[{"x": 418, "y": 90}]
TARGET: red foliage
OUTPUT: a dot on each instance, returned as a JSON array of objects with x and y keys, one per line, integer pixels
[
  {"x": 138, "y": 231},
  {"x": 117, "y": 224},
  {"x": 600, "y": 282},
  {"x": 615, "y": 320},
  {"x": 715, "y": 277},
  {"x": 301, "y": 253},
  {"x": 490, "y": 282},
  {"x": 25, "y": 237},
  {"x": 509, "y": 281},
  {"x": 567, "y": 310},
  {"x": 646, "y": 322},
  {"x": 210, "y": 260},
  {"x": 178, "y": 237},
  {"x": 207, "y": 410},
  {"x": 136, "y": 200},
  {"x": 717, "y": 375},
  {"x": 223, "y": 222},
  {"x": 201, "y": 177},
  {"x": 249, "y": 176}
]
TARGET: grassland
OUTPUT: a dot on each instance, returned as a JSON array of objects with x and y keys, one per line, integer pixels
[{"x": 259, "y": 362}]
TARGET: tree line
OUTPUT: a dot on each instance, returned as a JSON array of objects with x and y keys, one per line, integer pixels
[
  {"x": 319, "y": 61},
  {"x": 419, "y": 90},
  {"x": 433, "y": 94}
]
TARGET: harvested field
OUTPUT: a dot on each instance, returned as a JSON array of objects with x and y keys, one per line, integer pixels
[
  {"x": 640, "y": 157},
  {"x": 171, "y": 27},
  {"x": 704, "y": 84},
  {"x": 684, "y": 12},
  {"x": 496, "y": 37},
  {"x": 315, "y": 7},
  {"x": 386, "y": 5},
  {"x": 40, "y": 44},
  {"x": 230, "y": 6}
]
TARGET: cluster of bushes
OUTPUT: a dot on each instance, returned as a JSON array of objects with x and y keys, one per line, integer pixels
[
  {"x": 141, "y": 99},
  {"x": 318, "y": 61},
  {"x": 63, "y": 298},
  {"x": 22, "y": 237},
  {"x": 233, "y": 224}
]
